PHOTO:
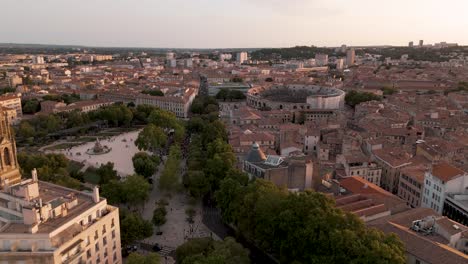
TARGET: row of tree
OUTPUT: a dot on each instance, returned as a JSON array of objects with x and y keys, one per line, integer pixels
[
  {"x": 53, "y": 168},
  {"x": 303, "y": 227},
  {"x": 169, "y": 179},
  {"x": 208, "y": 251},
  {"x": 230, "y": 94}
]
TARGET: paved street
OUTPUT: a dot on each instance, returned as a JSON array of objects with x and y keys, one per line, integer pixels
[{"x": 176, "y": 230}]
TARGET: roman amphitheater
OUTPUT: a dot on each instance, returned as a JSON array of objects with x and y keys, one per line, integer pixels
[{"x": 296, "y": 97}]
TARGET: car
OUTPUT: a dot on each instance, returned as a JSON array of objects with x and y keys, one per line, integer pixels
[
  {"x": 132, "y": 248},
  {"x": 159, "y": 233},
  {"x": 157, "y": 247}
]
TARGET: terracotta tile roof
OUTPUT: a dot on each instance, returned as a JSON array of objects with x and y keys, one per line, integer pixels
[{"x": 445, "y": 171}]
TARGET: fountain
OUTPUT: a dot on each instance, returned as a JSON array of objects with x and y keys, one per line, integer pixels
[{"x": 98, "y": 149}]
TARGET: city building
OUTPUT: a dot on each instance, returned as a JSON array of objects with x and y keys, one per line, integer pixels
[
  {"x": 45, "y": 223},
  {"x": 421, "y": 43},
  {"x": 456, "y": 207},
  {"x": 242, "y": 57},
  {"x": 429, "y": 238},
  {"x": 321, "y": 59},
  {"x": 81, "y": 106},
  {"x": 391, "y": 160},
  {"x": 12, "y": 102},
  {"x": 294, "y": 173},
  {"x": 350, "y": 57},
  {"x": 170, "y": 55},
  {"x": 188, "y": 63},
  {"x": 411, "y": 184},
  {"x": 339, "y": 64},
  {"x": 364, "y": 199},
  {"x": 38, "y": 60},
  {"x": 410, "y": 44},
  {"x": 355, "y": 163},
  {"x": 441, "y": 179},
  {"x": 179, "y": 103}
]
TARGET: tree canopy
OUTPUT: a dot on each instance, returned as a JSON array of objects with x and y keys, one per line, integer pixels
[
  {"x": 354, "y": 98},
  {"x": 230, "y": 94},
  {"x": 50, "y": 167},
  {"x": 303, "y": 227},
  {"x": 151, "y": 138},
  {"x": 153, "y": 92},
  {"x": 133, "y": 190},
  {"x": 145, "y": 164},
  {"x": 208, "y": 251},
  {"x": 136, "y": 258},
  {"x": 133, "y": 227}
]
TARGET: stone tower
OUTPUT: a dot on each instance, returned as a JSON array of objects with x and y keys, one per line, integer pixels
[{"x": 9, "y": 168}]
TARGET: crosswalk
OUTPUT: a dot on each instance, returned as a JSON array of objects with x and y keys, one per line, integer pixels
[{"x": 165, "y": 251}]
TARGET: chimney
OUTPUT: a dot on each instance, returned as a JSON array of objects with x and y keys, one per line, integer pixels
[
  {"x": 96, "y": 194},
  {"x": 34, "y": 175}
]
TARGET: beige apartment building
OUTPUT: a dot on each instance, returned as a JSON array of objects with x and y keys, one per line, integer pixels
[
  {"x": 42, "y": 222},
  {"x": 12, "y": 102}
]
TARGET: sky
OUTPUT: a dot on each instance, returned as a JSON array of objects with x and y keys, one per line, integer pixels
[{"x": 232, "y": 23}]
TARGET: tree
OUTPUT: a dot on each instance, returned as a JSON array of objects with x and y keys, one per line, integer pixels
[
  {"x": 133, "y": 227},
  {"x": 145, "y": 164},
  {"x": 197, "y": 183},
  {"x": 135, "y": 189},
  {"x": 169, "y": 179},
  {"x": 26, "y": 130},
  {"x": 388, "y": 90},
  {"x": 222, "y": 94},
  {"x": 354, "y": 98},
  {"x": 275, "y": 219},
  {"x": 106, "y": 173},
  {"x": 31, "y": 106},
  {"x": 151, "y": 138},
  {"x": 207, "y": 251},
  {"x": 237, "y": 79},
  {"x": 159, "y": 216},
  {"x": 163, "y": 119},
  {"x": 136, "y": 258},
  {"x": 113, "y": 192},
  {"x": 51, "y": 167},
  {"x": 153, "y": 92}
]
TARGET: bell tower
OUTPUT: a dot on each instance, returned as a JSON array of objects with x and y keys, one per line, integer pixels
[{"x": 9, "y": 168}]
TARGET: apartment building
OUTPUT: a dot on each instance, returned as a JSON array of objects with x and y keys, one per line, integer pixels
[
  {"x": 356, "y": 163},
  {"x": 294, "y": 173},
  {"x": 441, "y": 179},
  {"x": 12, "y": 102},
  {"x": 411, "y": 184}
]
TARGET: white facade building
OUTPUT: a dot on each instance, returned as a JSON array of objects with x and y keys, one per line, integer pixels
[
  {"x": 443, "y": 178},
  {"x": 242, "y": 57}
]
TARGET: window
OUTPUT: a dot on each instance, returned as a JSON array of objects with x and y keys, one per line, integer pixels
[
  {"x": 103, "y": 229},
  {"x": 113, "y": 233},
  {"x": 96, "y": 235},
  {"x": 104, "y": 241},
  {"x": 96, "y": 247},
  {"x": 88, "y": 253},
  {"x": 112, "y": 223}
]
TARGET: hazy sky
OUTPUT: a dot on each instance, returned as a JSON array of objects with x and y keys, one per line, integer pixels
[{"x": 232, "y": 23}]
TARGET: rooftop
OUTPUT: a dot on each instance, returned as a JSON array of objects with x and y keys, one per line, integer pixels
[{"x": 445, "y": 171}]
